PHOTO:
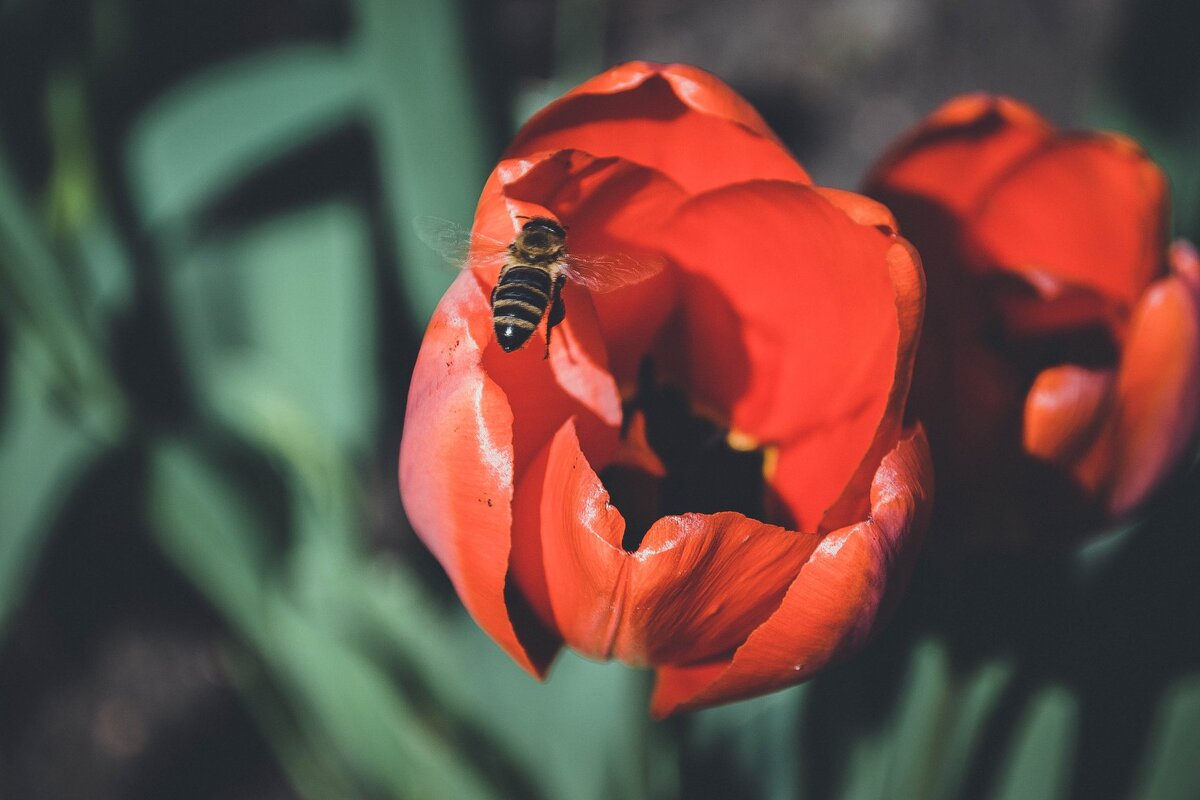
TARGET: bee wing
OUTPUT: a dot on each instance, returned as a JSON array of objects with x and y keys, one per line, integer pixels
[
  {"x": 604, "y": 273},
  {"x": 457, "y": 245}
]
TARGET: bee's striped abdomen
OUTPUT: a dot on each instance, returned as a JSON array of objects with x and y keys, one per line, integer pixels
[{"x": 519, "y": 303}]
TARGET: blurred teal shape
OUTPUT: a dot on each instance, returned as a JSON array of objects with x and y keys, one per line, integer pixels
[
  {"x": 1041, "y": 754},
  {"x": 973, "y": 702},
  {"x": 346, "y": 702},
  {"x": 919, "y": 744},
  {"x": 401, "y": 73},
  {"x": 1169, "y": 770},
  {"x": 62, "y": 406},
  {"x": 277, "y": 326},
  {"x": 41, "y": 456},
  {"x": 913, "y": 753},
  {"x": 38, "y": 299},
  {"x": 312, "y": 768},
  {"x": 430, "y": 130},
  {"x": 585, "y": 733},
  {"x": 762, "y": 735},
  {"x": 209, "y": 132}
]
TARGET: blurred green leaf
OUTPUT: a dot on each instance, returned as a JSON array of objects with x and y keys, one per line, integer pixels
[
  {"x": 357, "y": 709},
  {"x": 72, "y": 201},
  {"x": 209, "y": 132},
  {"x": 585, "y": 733},
  {"x": 960, "y": 741},
  {"x": 1038, "y": 763},
  {"x": 347, "y": 701},
  {"x": 62, "y": 405},
  {"x": 1169, "y": 770},
  {"x": 209, "y": 531},
  {"x": 916, "y": 740},
  {"x": 762, "y": 737},
  {"x": 277, "y": 325},
  {"x": 312, "y": 768},
  {"x": 430, "y": 131},
  {"x": 41, "y": 455},
  {"x": 36, "y": 296},
  {"x": 921, "y": 747}
]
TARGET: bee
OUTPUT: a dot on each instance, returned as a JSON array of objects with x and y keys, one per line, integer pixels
[{"x": 533, "y": 270}]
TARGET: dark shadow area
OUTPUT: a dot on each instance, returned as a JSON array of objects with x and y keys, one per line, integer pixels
[
  {"x": 492, "y": 759},
  {"x": 1154, "y": 63},
  {"x": 715, "y": 774},
  {"x": 168, "y": 42},
  {"x": 112, "y": 677},
  {"x": 1113, "y": 638},
  {"x": 703, "y": 474},
  {"x": 795, "y": 118}
]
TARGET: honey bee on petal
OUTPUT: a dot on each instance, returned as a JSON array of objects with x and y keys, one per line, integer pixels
[{"x": 533, "y": 269}]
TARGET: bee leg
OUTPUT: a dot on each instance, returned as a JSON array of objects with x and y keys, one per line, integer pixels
[{"x": 558, "y": 309}]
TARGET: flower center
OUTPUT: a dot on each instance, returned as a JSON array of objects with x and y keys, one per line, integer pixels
[{"x": 703, "y": 474}]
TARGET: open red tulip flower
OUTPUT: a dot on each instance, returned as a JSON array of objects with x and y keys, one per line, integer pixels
[
  {"x": 707, "y": 472},
  {"x": 1060, "y": 370}
]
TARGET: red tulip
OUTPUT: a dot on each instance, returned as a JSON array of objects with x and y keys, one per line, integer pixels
[
  {"x": 786, "y": 313},
  {"x": 1060, "y": 371}
]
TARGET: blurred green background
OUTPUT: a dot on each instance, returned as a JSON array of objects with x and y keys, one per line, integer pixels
[{"x": 210, "y": 305}]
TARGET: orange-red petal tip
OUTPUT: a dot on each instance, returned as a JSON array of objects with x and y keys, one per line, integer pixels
[{"x": 848, "y": 585}]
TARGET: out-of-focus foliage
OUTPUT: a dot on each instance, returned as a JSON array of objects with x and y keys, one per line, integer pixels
[{"x": 210, "y": 303}]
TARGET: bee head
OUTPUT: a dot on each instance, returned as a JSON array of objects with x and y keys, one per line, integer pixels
[
  {"x": 541, "y": 234},
  {"x": 544, "y": 224}
]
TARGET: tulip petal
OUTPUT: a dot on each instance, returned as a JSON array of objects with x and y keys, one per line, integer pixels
[
  {"x": 790, "y": 328},
  {"x": 1064, "y": 411},
  {"x": 693, "y": 590},
  {"x": 860, "y": 208},
  {"x": 565, "y": 518},
  {"x": 669, "y": 117},
  {"x": 1158, "y": 392},
  {"x": 698, "y": 89},
  {"x": 1047, "y": 211},
  {"x": 701, "y": 582},
  {"x": 456, "y": 465},
  {"x": 958, "y": 151},
  {"x": 851, "y": 582},
  {"x": 908, "y": 279}
]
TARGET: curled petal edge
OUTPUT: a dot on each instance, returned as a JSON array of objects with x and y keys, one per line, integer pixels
[
  {"x": 693, "y": 589},
  {"x": 699, "y": 90},
  {"x": 1064, "y": 410},
  {"x": 625, "y": 112},
  {"x": 845, "y": 589},
  {"x": 456, "y": 464}
]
